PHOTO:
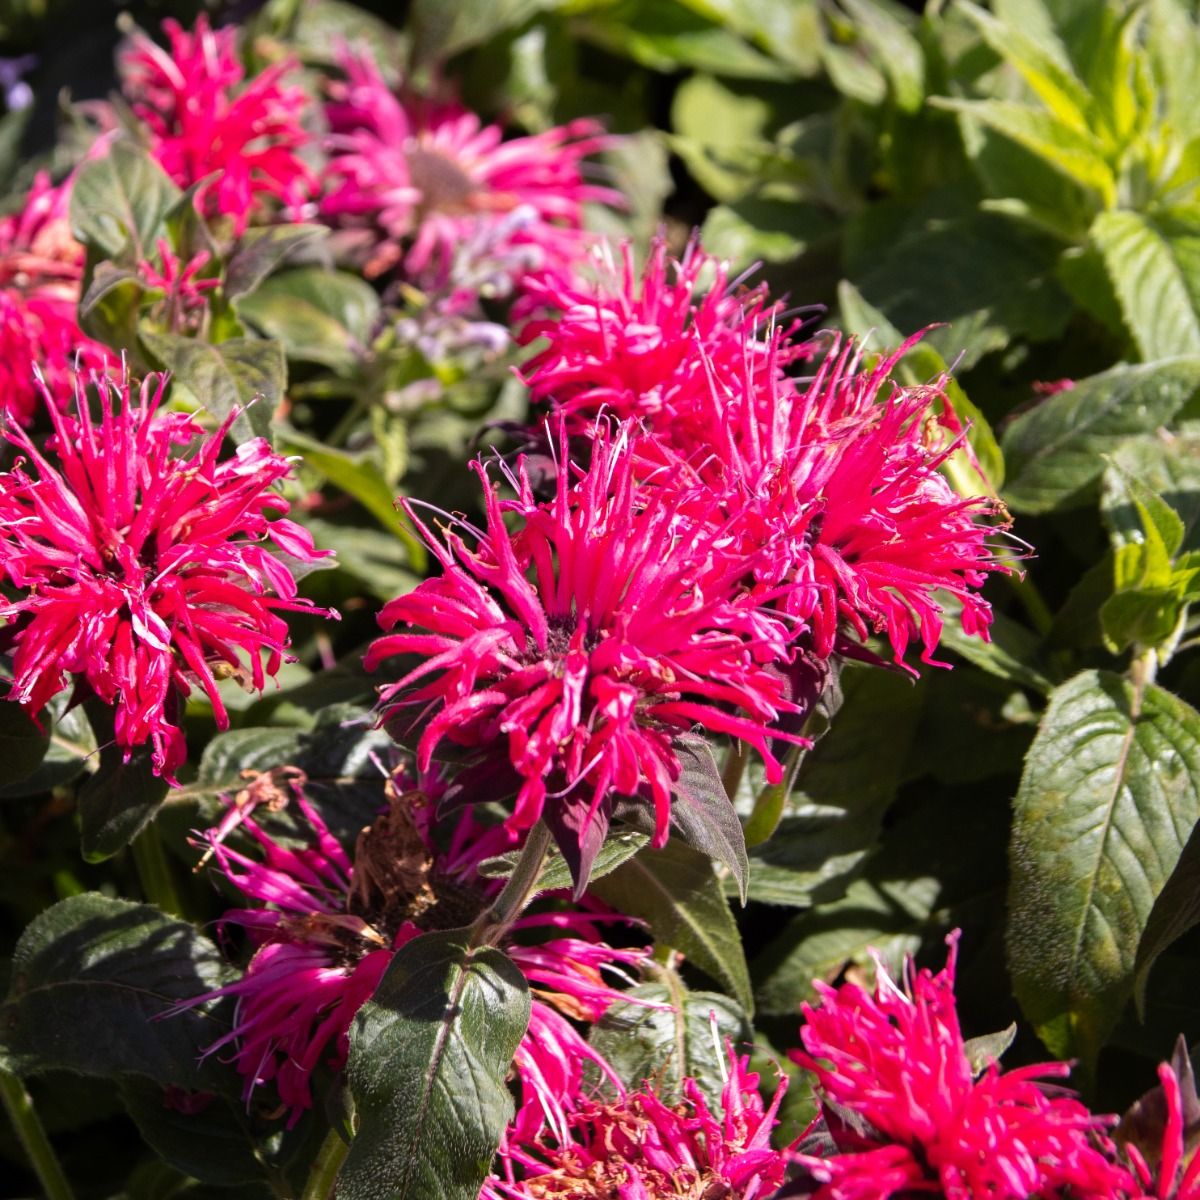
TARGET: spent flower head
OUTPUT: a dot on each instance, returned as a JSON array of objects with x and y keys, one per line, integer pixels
[{"x": 139, "y": 564}]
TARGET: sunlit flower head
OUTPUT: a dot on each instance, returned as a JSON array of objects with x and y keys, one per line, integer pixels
[
  {"x": 910, "y": 1114},
  {"x": 837, "y": 483},
  {"x": 41, "y": 268},
  {"x": 653, "y": 341},
  {"x": 139, "y": 564},
  {"x": 428, "y": 177},
  {"x": 326, "y": 925},
  {"x": 578, "y": 646},
  {"x": 641, "y": 1147},
  {"x": 204, "y": 118}
]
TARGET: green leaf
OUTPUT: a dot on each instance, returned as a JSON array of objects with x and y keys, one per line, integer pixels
[
  {"x": 1168, "y": 464},
  {"x": 361, "y": 478},
  {"x": 988, "y": 1048},
  {"x": 23, "y": 743},
  {"x": 120, "y": 203},
  {"x": 894, "y": 47},
  {"x": 681, "y": 1037},
  {"x": 618, "y": 848},
  {"x": 1073, "y": 152},
  {"x": 1012, "y": 652},
  {"x": 1137, "y": 516},
  {"x": 1176, "y": 909},
  {"x": 120, "y": 799},
  {"x": 70, "y": 749},
  {"x": 1154, "y": 295},
  {"x": 1107, "y": 800},
  {"x": 91, "y": 976},
  {"x": 320, "y": 316},
  {"x": 442, "y": 28},
  {"x": 226, "y": 376},
  {"x": 428, "y": 1057},
  {"x": 1054, "y": 451},
  {"x": 845, "y": 785},
  {"x": 109, "y": 308},
  {"x": 676, "y": 891},
  {"x": 262, "y": 251}
]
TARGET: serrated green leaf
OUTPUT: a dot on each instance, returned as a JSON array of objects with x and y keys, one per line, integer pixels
[
  {"x": 1107, "y": 800},
  {"x": 679, "y": 1034},
  {"x": 676, "y": 891},
  {"x": 1073, "y": 152},
  {"x": 119, "y": 203},
  {"x": 428, "y": 1057},
  {"x": 1148, "y": 279},
  {"x": 320, "y": 316},
  {"x": 1176, "y": 909},
  {"x": 1055, "y": 451},
  {"x": 91, "y": 976},
  {"x": 1136, "y": 515},
  {"x": 245, "y": 373}
]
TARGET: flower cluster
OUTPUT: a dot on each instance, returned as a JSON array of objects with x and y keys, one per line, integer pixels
[
  {"x": 586, "y": 641},
  {"x": 431, "y": 176},
  {"x": 239, "y": 140},
  {"x": 639, "y": 1147},
  {"x": 142, "y": 570},
  {"x": 330, "y": 924},
  {"x": 41, "y": 268}
]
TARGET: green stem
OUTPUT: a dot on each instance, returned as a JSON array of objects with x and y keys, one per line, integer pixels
[
  {"x": 520, "y": 888},
  {"x": 1036, "y": 608},
  {"x": 154, "y": 871},
  {"x": 736, "y": 758},
  {"x": 322, "y": 1179},
  {"x": 33, "y": 1138},
  {"x": 768, "y": 807}
]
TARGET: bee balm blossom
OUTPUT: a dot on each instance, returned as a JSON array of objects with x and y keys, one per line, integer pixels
[
  {"x": 204, "y": 118},
  {"x": 41, "y": 268},
  {"x": 331, "y": 925},
  {"x": 429, "y": 176},
  {"x": 139, "y": 571},
  {"x": 584, "y": 643},
  {"x": 910, "y": 1116},
  {"x": 642, "y": 1148}
]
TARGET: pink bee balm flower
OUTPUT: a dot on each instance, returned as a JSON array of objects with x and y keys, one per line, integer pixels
[
  {"x": 910, "y": 1116},
  {"x": 182, "y": 287},
  {"x": 204, "y": 119},
  {"x": 138, "y": 570},
  {"x": 429, "y": 177},
  {"x": 331, "y": 925},
  {"x": 838, "y": 486},
  {"x": 41, "y": 267},
  {"x": 654, "y": 343},
  {"x": 585, "y": 643},
  {"x": 642, "y": 1148}
]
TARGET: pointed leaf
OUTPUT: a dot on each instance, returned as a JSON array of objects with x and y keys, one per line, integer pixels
[
  {"x": 262, "y": 251},
  {"x": 1054, "y": 452},
  {"x": 428, "y": 1057},
  {"x": 676, "y": 891},
  {"x": 1176, "y": 909},
  {"x": 1110, "y": 793},
  {"x": 23, "y": 744}
]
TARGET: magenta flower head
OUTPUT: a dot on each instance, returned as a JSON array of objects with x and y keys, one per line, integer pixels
[
  {"x": 329, "y": 925},
  {"x": 140, "y": 568},
  {"x": 642, "y": 1148},
  {"x": 653, "y": 342},
  {"x": 205, "y": 119},
  {"x": 910, "y": 1114},
  {"x": 580, "y": 645},
  {"x": 41, "y": 269},
  {"x": 429, "y": 176},
  {"x": 839, "y": 487}
]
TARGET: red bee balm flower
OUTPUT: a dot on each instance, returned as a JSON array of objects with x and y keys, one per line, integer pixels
[
  {"x": 41, "y": 266},
  {"x": 910, "y": 1116},
  {"x": 333, "y": 925},
  {"x": 641, "y": 1148},
  {"x": 587, "y": 640},
  {"x": 432, "y": 175},
  {"x": 140, "y": 570},
  {"x": 202, "y": 121}
]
